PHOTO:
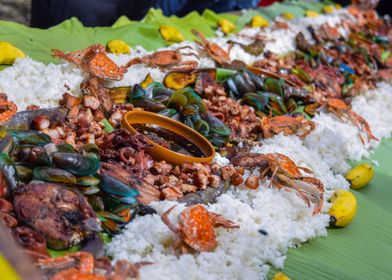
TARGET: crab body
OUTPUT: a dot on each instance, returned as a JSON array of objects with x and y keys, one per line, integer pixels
[
  {"x": 195, "y": 228},
  {"x": 166, "y": 59},
  {"x": 81, "y": 266},
  {"x": 287, "y": 125},
  {"x": 284, "y": 173},
  {"x": 218, "y": 54},
  {"x": 7, "y": 109},
  {"x": 342, "y": 111},
  {"x": 94, "y": 61}
]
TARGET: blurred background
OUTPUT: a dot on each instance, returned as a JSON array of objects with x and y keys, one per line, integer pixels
[
  {"x": 46, "y": 13},
  {"x": 15, "y": 10}
]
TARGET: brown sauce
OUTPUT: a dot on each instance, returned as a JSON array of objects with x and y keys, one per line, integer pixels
[{"x": 169, "y": 139}]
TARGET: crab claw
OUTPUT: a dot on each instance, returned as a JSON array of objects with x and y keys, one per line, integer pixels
[
  {"x": 58, "y": 53},
  {"x": 219, "y": 221}
]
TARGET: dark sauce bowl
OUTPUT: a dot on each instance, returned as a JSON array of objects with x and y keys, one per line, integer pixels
[{"x": 161, "y": 153}]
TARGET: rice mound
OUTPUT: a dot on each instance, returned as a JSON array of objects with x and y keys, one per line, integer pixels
[
  {"x": 242, "y": 253},
  {"x": 31, "y": 82}
]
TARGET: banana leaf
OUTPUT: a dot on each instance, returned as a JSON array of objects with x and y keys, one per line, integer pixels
[
  {"x": 213, "y": 17},
  {"x": 71, "y": 35},
  {"x": 185, "y": 24},
  {"x": 363, "y": 249},
  {"x": 60, "y": 253}
]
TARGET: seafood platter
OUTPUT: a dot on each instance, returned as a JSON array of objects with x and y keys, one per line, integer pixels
[{"x": 205, "y": 159}]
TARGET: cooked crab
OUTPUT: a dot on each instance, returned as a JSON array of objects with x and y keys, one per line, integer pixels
[
  {"x": 218, "y": 54},
  {"x": 195, "y": 228},
  {"x": 169, "y": 59},
  {"x": 81, "y": 266},
  {"x": 342, "y": 111},
  {"x": 283, "y": 173},
  {"x": 287, "y": 125},
  {"x": 7, "y": 109},
  {"x": 94, "y": 61}
]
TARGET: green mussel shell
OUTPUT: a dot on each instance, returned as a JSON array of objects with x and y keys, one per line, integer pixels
[
  {"x": 54, "y": 175},
  {"x": 148, "y": 104},
  {"x": 88, "y": 181},
  {"x": 76, "y": 164},
  {"x": 31, "y": 137},
  {"x": 113, "y": 186}
]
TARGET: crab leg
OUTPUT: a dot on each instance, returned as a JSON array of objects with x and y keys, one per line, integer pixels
[
  {"x": 86, "y": 264},
  {"x": 134, "y": 61},
  {"x": 319, "y": 196},
  {"x": 305, "y": 132},
  {"x": 200, "y": 36},
  {"x": 187, "y": 65},
  {"x": 274, "y": 172},
  {"x": 362, "y": 124},
  {"x": 306, "y": 170},
  {"x": 295, "y": 187},
  {"x": 166, "y": 220},
  {"x": 190, "y": 53},
  {"x": 219, "y": 221}
]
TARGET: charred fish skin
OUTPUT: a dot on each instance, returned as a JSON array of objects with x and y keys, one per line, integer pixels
[{"x": 58, "y": 213}]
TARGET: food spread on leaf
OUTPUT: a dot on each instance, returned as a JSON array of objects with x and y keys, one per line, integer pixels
[{"x": 284, "y": 113}]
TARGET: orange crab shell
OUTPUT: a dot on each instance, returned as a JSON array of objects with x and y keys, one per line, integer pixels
[
  {"x": 7, "y": 110},
  {"x": 280, "y": 121},
  {"x": 100, "y": 65},
  {"x": 286, "y": 165},
  {"x": 77, "y": 56},
  {"x": 93, "y": 60},
  {"x": 74, "y": 274},
  {"x": 197, "y": 229},
  {"x": 215, "y": 52},
  {"x": 288, "y": 125},
  {"x": 164, "y": 58},
  {"x": 336, "y": 103}
]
